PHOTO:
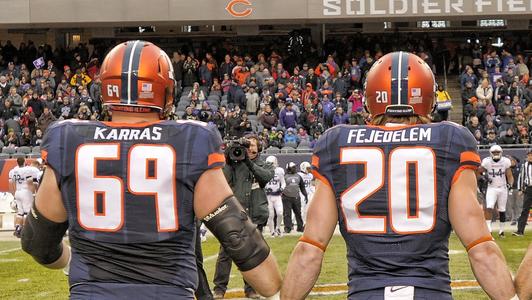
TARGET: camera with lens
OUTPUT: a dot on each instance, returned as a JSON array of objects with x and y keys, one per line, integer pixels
[{"x": 235, "y": 149}]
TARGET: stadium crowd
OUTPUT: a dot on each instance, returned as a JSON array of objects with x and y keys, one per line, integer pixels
[
  {"x": 496, "y": 96},
  {"x": 288, "y": 97}
]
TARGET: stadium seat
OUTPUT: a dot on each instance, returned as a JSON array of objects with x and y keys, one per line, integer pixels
[
  {"x": 17, "y": 155},
  {"x": 34, "y": 155},
  {"x": 205, "y": 90},
  {"x": 184, "y": 99},
  {"x": 292, "y": 145},
  {"x": 24, "y": 150},
  {"x": 36, "y": 149},
  {"x": 303, "y": 149},
  {"x": 9, "y": 150},
  {"x": 216, "y": 93},
  {"x": 214, "y": 97},
  {"x": 272, "y": 150},
  {"x": 304, "y": 144},
  {"x": 288, "y": 149},
  {"x": 180, "y": 114},
  {"x": 1, "y": 144},
  {"x": 252, "y": 117},
  {"x": 4, "y": 156},
  {"x": 186, "y": 90}
]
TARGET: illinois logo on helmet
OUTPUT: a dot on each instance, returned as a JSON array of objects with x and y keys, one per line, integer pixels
[
  {"x": 138, "y": 76},
  {"x": 400, "y": 84}
]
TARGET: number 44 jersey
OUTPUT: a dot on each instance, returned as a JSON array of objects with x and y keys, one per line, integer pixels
[
  {"x": 392, "y": 186},
  {"x": 128, "y": 191}
]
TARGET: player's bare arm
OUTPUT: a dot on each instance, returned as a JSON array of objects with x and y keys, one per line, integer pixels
[
  {"x": 509, "y": 177},
  {"x": 523, "y": 279},
  {"x": 305, "y": 263},
  {"x": 215, "y": 204},
  {"x": 46, "y": 225},
  {"x": 487, "y": 260}
]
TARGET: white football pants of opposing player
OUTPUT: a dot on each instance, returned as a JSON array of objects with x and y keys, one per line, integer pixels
[
  {"x": 304, "y": 206},
  {"x": 275, "y": 205},
  {"x": 499, "y": 196}
]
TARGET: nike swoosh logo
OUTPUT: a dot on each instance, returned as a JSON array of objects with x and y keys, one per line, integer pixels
[{"x": 397, "y": 288}]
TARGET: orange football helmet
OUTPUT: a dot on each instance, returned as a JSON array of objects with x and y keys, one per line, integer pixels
[
  {"x": 138, "y": 76},
  {"x": 400, "y": 84}
]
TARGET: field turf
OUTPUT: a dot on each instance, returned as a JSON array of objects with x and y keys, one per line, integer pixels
[{"x": 22, "y": 278}]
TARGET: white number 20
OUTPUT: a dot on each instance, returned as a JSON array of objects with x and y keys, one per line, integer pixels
[
  {"x": 112, "y": 91},
  {"x": 382, "y": 97},
  {"x": 110, "y": 189},
  {"x": 400, "y": 159}
]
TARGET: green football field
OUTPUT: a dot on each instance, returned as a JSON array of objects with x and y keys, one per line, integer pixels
[{"x": 22, "y": 278}]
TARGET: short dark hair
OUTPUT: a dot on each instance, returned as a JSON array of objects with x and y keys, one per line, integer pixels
[{"x": 21, "y": 161}]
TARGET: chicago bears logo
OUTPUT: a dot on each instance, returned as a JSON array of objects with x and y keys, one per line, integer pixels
[{"x": 234, "y": 8}]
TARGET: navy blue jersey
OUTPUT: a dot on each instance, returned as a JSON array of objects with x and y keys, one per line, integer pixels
[
  {"x": 128, "y": 191},
  {"x": 392, "y": 186}
]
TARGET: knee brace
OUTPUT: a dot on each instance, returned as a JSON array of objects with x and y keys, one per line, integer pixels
[
  {"x": 502, "y": 216},
  {"x": 240, "y": 238},
  {"x": 41, "y": 238}
]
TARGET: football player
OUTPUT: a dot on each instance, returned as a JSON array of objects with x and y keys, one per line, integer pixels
[
  {"x": 274, "y": 189},
  {"x": 523, "y": 284},
  {"x": 291, "y": 199},
  {"x": 499, "y": 173},
  {"x": 128, "y": 192},
  {"x": 21, "y": 186},
  {"x": 397, "y": 187},
  {"x": 308, "y": 180}
]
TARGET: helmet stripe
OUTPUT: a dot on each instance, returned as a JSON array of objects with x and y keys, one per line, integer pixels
[
  {"x": 130, "y": 71},
  {"x": 404, "y": 77},
  {"x": 135, "y": 72},
  {"x": 124, "y": 93},
  {"x": 395, "y": 79}
]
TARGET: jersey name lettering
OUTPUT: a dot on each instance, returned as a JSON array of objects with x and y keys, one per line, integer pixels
[
  {"x": 415, "y": 134},
  {"x": 126, "y": 134}
]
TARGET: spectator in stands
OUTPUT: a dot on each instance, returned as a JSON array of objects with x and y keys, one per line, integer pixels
[
  {"x": 484, "y": 91},
  {"x": 268, "y": 119},
  {"x": 9, "y": 112},
  {"x": 474, "y": 125},
  {"x": 340, "y": 117},
  {"x": 312, "y": 79},
  {"x": 80, "y": 79},
  {"x": 206, "y": 73},
  {"x": 508, "y": 138},
  {"x": 291, "y": 137},
  {"x": 14, "y": 98},
  {"x": 36, "y": 104},
  {"x": 491, "y": 139},
  {"x": 233, "y": 121},
  {"x": 252, "y": 101},
  {"x": 303, "y": 136},
  {"x": 37, "y": 138},
  {"x": 307, "y": 117},
  {"x": 468, "y": 77},
  {"x": 26, "y": 138},
  {"x": 196, "y": 94},
  {"x": 11, "y": 139},
  {"x": 216, "y": 88},
  {"x": 84, "y": 113},
  {"x": 226, "y": 67},
  {"x": 287, "y": 116},
  {"x": 189, "y": 114},
  {"x": 190, "y": 68},
  {"x": 277, "y": 140},
  {"x": 236, "y": 95},
  {"x": 4, "y": 85}
]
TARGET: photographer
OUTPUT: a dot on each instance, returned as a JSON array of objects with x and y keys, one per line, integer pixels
[{"x": 247, "y": 174}]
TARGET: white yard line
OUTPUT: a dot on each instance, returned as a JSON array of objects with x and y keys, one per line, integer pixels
[
  {"x": 209, "y": 258},
  {"x": 9, "y": 250}
]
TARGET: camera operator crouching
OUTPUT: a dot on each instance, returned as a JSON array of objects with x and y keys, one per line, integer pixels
[{"x": 247, "y": 174}]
